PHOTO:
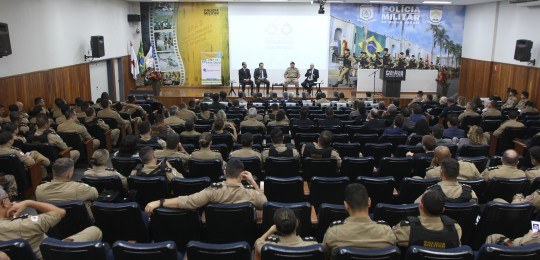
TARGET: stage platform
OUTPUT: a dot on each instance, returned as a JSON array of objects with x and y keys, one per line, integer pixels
[{"x": 173, "y": 95}]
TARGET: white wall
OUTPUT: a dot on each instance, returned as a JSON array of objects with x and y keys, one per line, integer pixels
[
  {"x": 491, "y": 31},
  {"x": 98, "y": 79},
  {"x": 56, "y": 33},
  {"x": 276, "y": 34}
]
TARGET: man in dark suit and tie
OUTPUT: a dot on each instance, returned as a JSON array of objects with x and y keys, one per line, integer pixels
[
  {"x": 244, "y": 76},
  {"x": 312, "y": 75},
  {"x": 261, "y": 77}
]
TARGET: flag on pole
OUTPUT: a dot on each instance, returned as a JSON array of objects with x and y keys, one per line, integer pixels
[
  {"x": 133, "y": 62},
  {"x": 140, "y": 59},
  {"x": 149, "y": 59}
]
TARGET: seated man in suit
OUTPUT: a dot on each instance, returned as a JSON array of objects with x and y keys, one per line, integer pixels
[
  {"x": 261, "y": 77},
  {"x": 373, "y": 122},
  {"x": 329, "y": 120},
  {"x": 244, "y": 77},
  {"x": 304, "y": 119},
  {"x": 396, "y": 128},
  {"x": 312, "y": 75},
  {"x": 453, "y": 129}
]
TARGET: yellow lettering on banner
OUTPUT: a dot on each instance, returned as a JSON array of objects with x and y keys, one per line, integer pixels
[{"x": 433, "y": 244}]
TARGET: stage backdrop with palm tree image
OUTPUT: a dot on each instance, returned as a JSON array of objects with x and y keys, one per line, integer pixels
[{"x": 430, "y": 37}]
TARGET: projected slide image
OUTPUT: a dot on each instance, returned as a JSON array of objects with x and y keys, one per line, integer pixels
[
  {"x": 167, "y": 61},
  {"x": 164, "y": 40}
]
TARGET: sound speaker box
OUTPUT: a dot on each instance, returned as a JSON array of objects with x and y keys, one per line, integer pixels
[
  {"x": 97, "y": 44},
  {"x": 523, "y": 50},
  {"x": 5, "y": 45},
  {"x": 134, "y": 18}
]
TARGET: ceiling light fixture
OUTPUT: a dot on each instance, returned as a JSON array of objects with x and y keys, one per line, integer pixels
[
  {"x": 383, "y": 2},
  {"x": 437, "y": 2}
]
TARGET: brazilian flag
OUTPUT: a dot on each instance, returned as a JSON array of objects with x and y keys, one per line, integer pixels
[
  {"x": 373, "y": 44},
  {"x": 140, "y": 58}
]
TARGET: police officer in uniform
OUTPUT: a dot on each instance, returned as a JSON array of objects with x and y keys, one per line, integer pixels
[
  {"x": 174, "y": 119},
  {"x": 247, "y": 150},
  {"x": 511, "y": 122},
  {"x": 253, "y": 119},
  {"x": 292, "y": 74},
  {"x": 358, "y": 230},
  {"x": 534, "y": 172},
  {"x": 387, "y": 59},
  {"x": 70, "y": 126},
  {"x": 512, "y": 101},
  {"x": 107, "y": 112},
  {"x": 92, "y": 119},
  {"x": 283, "y": 232},
  {"x": 524, "y": 99},
  {"x": 467, "y": 170},
  {"x": 46, "y": 135},
  {"x": 449, "y": 188},
  {"x": 413, "y": 63},
  {"x": 322, "y": 149},
  {"x": 278, "y": 148},
  {"x": 400, "y": 62},
  {"x": 61, "y": 188},
  {"x": 491, "y": 109},
  {"x": 229, "y": 191},
  {"x": 99, "y": 161},
  {"x": 508, "y": 169},
  {"x": 190, "y": 129},
  {"x": 13, "y": 224},
  {"x": 431, "y": 228},
  {"x": 185, "y": 113},
  {"x": 173, "y": 149},
  {"x": 363, "y": 61},
  {"x": 28, "y": 159},
  {"x": 146, "y": 137},
  {"x": 348, "y": 61},
  {"x": 151, "y": 167}
]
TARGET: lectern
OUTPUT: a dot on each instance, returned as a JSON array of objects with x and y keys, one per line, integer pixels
[{"x": 392, "y": 81}]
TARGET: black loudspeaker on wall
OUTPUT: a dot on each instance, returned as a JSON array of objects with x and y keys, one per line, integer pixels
[
  {"x": 523, "y": 50},
  {"x": 134, "y": 18},
  {"x": 97, "y": 44},
  {"x": 5, "y": 45}
]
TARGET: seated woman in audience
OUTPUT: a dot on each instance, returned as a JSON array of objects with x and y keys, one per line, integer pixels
[
  {"x": 146, "y": 137},
  {"x": 219, "y": 128},
  {"x": 479, "y": 104},
  {"x": 205, "y": 153},
  {"x": 128, "y": 147},
  {"x": 280, "y": 119},
  {"x": 205, "y": 114},
  {"x": 283, "y": 232},
  {"x": 462, "y": 101},
  {"x": 99, "y": 167},
  {"x": 475, "y": 136}
]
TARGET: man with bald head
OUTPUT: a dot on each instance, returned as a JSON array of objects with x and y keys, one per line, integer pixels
[
  {"x": 467, "y": 170},
  {"x": 508, "y": 169}
]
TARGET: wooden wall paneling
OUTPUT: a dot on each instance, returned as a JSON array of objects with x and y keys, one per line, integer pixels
[
  {"x": 533, "y": 86},
  {"x": 475, "y": 78},
  {"x": 129, "y": 82}
]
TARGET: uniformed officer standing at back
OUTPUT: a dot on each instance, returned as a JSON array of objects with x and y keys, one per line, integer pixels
[
  {"x": 70, "y": 126},
  {"x": 15, "y": 225},
  {"x": 278, "y": 148},
  {"x": 358, "y": 230},
  {"x": 99, "y": 161},
  {"x": 151, "y": 166},
  {"x": 283, "y": 232},
  {"x": 431, "y": 228},
  {"x": 467, "y": 170},
  {"x": 449, "y": 187},
  {"x": 508, "y": 169},
  {"x": 229, "y": 191}
]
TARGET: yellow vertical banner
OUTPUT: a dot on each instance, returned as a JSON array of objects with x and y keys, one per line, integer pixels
[{"x": 202, "y": 27}]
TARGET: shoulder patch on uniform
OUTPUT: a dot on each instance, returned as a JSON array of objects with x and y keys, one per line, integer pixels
[
  {"x": 493, "y": 168},
  {"x": 466, "y": 185},
  {"x": 249, "y": 187},
  {"x": 430, "y": 168},
  {"x": 110, "y": 169},
  {"x": 405, "y": 223},
  {"x": 272, "y": 238},
  {"x": 217, "y": 185},
  {"x": 382, "y": 222},
  {"x": 308, "y": 239},
  {"x": 337, "y": 222},
  {"x": 532, "y": 169}
]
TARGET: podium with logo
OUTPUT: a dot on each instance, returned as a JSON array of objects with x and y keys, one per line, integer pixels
[{"x": 392, "y": 81}]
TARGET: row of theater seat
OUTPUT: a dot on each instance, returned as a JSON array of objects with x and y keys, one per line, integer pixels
[{"x": 53, "y": 249}]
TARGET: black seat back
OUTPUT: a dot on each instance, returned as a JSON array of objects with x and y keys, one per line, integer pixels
[
  {"x": 402, "y": 150},
  {"x": 351, "y": 253},
  {"x": 324, "y": 167},
  {"x": 506, "y": 140},
  {"x": 252, "y": 129},
  {"x": 380, "y": 189},
  {"x": 469, "y": 121},
  {"x": 124, "y": 250},
  {"x": 205, "y": 168},
  {"x": 395, "y": 140},
  {"x": 502, "y": 252},
  {"x": 240, "y": 219},
  {"x": 74, "y": 140},
  {"x": 275, "y": 252},
  {"x": 77, "y": 219},
  {"x": 104, "y": 183},
  {"x": 412, "y": 188},
  {"x": 397, "y": 167},
  {"x": 363, "y": 139},
  {"x": 378, "y": 151},
  {"x": 329, "y": 213},
  {"x": 465, "y": 214},
  {"x": 478, "y": 186},
  {"x": 421, "y": 253},
  {"x": 149, "y": 188},
  {"x": 479, "y": 161},
  {"x": 97, "y": 132},
  {"x": 495, "y": 218},
  {"x": 474, "y": 150},
  {"x": 286, "y": 190},
  {"x": 52, "y": 248},
  {"x": 421, "y": 163},
  {"x": 10, "y": 164},
  {"x": 17, "y": 249},
  {"x": 302, "y": 210},
  {"x": 504, "y": 188},
  {"x": 353, "y": 167},
  {"x": 226, "y": 139},
  {"x": 232, "y": 251},
  {"x": 252, "y": 164},
  {"x": 327, "y": 190},
  {"x": 393, "y": 214},
  {"x": 282, "y": 166},
  {"x": 124, "y": 165},
  {"x": 347, "y": 149},
  {"x": 178, "y": 225},
  {"x": 48, "y": 150},
  {"x": 190, "y": 139},
  {"x": 188, "y": 186},
  {"x": 120, "y": 221}
]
